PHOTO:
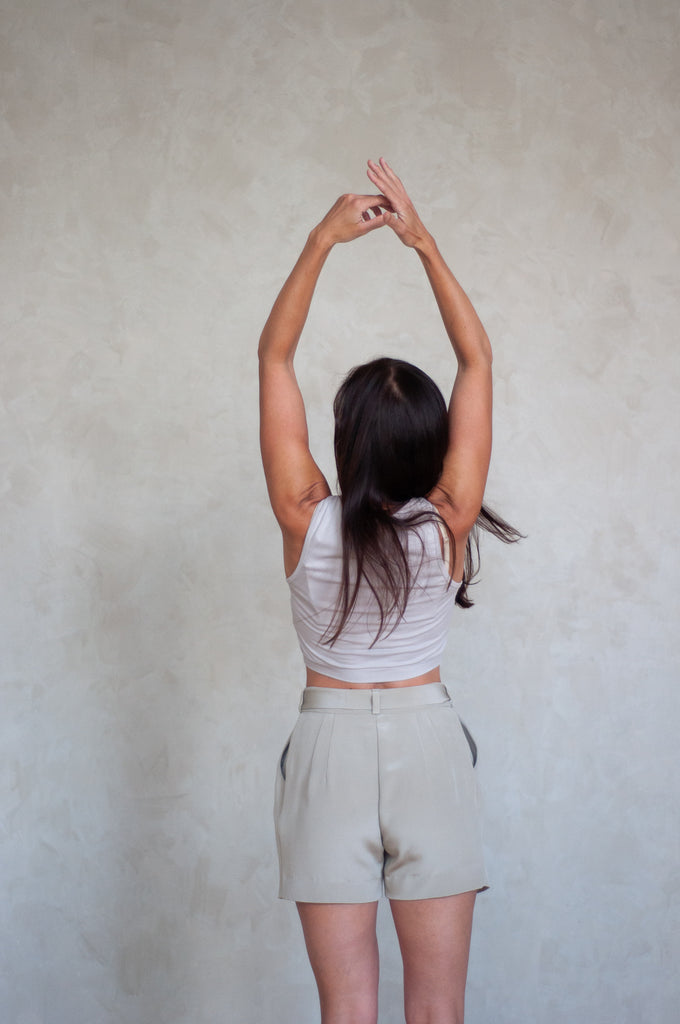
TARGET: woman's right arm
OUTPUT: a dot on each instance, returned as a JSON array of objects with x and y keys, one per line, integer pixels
[
  {"x": 460, "y": 490},
  {"x": 294, "y": 481}
]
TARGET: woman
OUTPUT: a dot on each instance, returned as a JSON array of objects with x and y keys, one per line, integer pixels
[{"x": 376, "y": 788}]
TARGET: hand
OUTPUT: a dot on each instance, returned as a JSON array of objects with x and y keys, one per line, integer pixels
[
  {"x": 402, "y": 218},
  {"x": 350, "y": 217}
]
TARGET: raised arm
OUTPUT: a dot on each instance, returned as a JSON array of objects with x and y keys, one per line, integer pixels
[
  {"x": 294, "y": 481},
  {"x": 458, "y": 496}
]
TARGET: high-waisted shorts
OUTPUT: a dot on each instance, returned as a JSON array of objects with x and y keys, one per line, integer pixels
[{"x": 376, "y": 792}]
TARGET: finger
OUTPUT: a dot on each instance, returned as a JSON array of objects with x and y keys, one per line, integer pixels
[
  {"x": 376, "y": 173},
  {"x": 368, "y": 201},
  {"x": 391, "y": 205},
  {"x": 376, "y": 222},
  {"x": 390, "y": 182},
  {"x": 388, "y": 170},
  {"x": 387, "y": 182},
  {"x": 387, "y": 201},
  {"x": 382, "y": 169},
  {"x": 371, "y": 206}
]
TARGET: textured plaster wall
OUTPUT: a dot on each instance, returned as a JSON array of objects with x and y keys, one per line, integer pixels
[{"x": 162, "y": 162}]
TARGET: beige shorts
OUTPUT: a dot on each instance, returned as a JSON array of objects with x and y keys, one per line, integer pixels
[{"x": 376, "y": 791}]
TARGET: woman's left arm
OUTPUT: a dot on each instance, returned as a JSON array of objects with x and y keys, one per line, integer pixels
[{"x": 294, "y": 481}]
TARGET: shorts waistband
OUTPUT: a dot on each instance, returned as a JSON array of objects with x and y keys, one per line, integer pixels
[{"x": 327, "y": 698}]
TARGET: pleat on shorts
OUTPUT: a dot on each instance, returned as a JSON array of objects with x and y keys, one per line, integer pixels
[{"x": 376, "y": 792}]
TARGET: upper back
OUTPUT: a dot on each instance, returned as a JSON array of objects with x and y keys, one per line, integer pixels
[{"x": 410, "y": 645}]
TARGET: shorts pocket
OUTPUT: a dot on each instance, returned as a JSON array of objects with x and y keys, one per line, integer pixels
[
  {"x": 283, "y": 759},
  {"x": 471, "y": 743}
]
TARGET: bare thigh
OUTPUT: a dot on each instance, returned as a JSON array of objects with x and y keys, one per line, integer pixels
[
  {"x": 343, "y": 951},
  {"x": 434, "y": 938}
]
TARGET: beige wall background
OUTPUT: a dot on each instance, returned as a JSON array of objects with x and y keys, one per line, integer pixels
[{"x": 162, "y": 162}]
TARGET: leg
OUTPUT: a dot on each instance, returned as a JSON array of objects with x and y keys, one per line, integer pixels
[
  {"x": 434, "y": 937},
  {"x": 343, "y": 952}
]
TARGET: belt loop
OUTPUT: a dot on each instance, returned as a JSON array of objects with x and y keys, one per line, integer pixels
[
  {"x": 375, "y": 702},
  {"x": 301, "y": 701}
]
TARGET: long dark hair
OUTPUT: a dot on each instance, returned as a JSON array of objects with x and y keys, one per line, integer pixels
[{"x": 391, "y": 437}]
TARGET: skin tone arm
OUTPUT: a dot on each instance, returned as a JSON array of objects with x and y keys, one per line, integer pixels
[
  {"x": 458, "y": 495},
  {"x": 294, "y": 481}
]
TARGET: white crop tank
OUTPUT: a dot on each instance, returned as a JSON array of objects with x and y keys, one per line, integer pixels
[{"x": 416, "y": 643}]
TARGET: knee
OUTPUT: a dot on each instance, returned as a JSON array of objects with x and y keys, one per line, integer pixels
[
  {"x": 355, "y": 1011},
  {"x": 435, "y": 1013}
]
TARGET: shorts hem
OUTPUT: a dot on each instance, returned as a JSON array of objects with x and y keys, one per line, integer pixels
[
  {"x": 323, "y": 892},
  {"x": 418, "y": 888},
  {"x": 427, "y": 888}
]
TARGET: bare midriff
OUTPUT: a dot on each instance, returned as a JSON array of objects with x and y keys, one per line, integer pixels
[{"x": 318, "y": 679}]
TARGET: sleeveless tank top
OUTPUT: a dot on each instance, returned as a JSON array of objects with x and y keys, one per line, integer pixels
[{"x": 416, "y": 642}]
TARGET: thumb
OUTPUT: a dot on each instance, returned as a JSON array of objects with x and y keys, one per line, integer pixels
[{"x": 392, "y": 218}]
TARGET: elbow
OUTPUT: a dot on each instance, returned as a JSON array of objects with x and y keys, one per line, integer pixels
[
  {"x": 485, "y": 350},
  {"x": 271, "y": 350},
  {"x": 480, "y": 362},
  {"x": 265, "y": 352},
  {"x": 478, "y": 355}
]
